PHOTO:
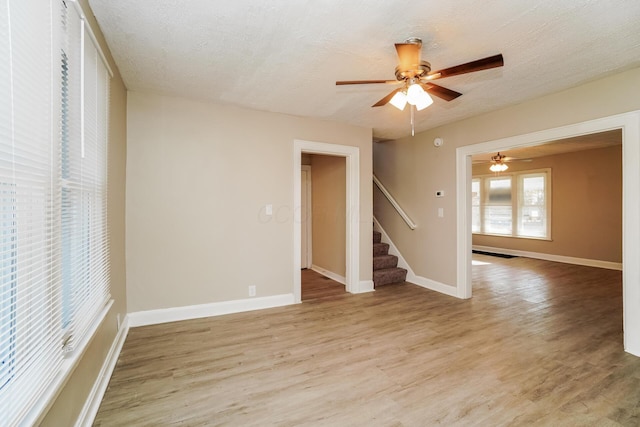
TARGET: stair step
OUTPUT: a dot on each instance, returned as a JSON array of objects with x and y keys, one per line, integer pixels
[
  {"x": 384, "y": 261},
  {"x": 380, "y": 249},
  {"x": 377, "y": 236},
  {"x": 389, "y": 275}
]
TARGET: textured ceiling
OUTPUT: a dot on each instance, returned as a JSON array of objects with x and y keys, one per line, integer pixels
[
  {"x": 285, "y": 56},
  {"x": 560, "y": 146}
]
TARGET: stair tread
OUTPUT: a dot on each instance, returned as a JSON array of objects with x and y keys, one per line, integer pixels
[
  {"x": 387, "y": 276},
  {"x": 391, "y": 269},
  {"x": 380, "y": 249},
  {"x": 381, "y": 262}
]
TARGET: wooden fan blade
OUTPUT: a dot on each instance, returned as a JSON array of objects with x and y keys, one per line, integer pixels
[
  {"x": 440, "y": 92},
  {"x": 470, "y": 67},
  {"x": 365, "y": 82},
  {"x": 515, "y": 159},
  {"x": 408, "y": 55},
  {"x": 387, "y": 98}
]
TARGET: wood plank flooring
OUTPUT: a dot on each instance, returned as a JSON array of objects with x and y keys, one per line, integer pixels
[
  {"x": 540, "y": 343},
  {"x": 315, "y": 286}
]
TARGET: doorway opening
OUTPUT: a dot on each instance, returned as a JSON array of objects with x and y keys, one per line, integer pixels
[
  {"x": 351, "y": 157},
  {"x": 323, "y": 224},
  {"x": 629, "y": 124}
]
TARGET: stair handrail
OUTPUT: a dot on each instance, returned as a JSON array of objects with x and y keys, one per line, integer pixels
[{"x": 412, "y": 225}]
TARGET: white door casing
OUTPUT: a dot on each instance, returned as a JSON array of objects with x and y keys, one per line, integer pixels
[
  {"x": 352, "y": 237},
  {"x": 305, "y": 217}
]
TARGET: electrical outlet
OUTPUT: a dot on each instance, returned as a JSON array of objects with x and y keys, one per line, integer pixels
[
  {"x": 252, "y": 291},
  {"x": 118, "y": 320}
]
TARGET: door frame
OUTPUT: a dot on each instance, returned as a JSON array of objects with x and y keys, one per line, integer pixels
[
  {"x": 309, "y": 223},
  {"x": 352, "y": 237},
  {"x": 629, "y": 123}
]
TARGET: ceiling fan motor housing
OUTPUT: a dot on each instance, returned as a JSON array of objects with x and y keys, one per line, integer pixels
[
  {"x": 423, "y": 70},
  {"x": 417, "y": 69},
  {"x": 414, "y": 40},
  {"x": 498, "y": 158}
]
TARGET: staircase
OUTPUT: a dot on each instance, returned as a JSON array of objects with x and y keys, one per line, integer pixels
[{"x": 385, "y": 266}]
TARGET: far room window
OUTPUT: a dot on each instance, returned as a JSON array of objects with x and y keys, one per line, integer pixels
[
  {"x": 498, "y": 206},
  {"x": 475, "y": 205},
  {"x": 512, "y": 205},
  {"x": 532, "y": 212}
]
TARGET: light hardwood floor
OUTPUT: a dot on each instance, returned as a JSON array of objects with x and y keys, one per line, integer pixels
[
  {"x": 540, "y": 343},
  {"x": 314, "y": 286}
]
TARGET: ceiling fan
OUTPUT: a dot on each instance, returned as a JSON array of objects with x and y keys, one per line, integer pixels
[
  {"x": 499, "y": 162},
  {"x": 415, "y": 77}
]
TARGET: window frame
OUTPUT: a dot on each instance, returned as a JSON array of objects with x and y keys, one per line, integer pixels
[
  {"x": 517, "y": 201},
  {"x": 478, "y": 205}
]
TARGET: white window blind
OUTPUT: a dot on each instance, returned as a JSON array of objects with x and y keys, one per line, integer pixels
[
  {"x": 498, "y": 205},
  {"x": 30, "y": 343},
  {"x": 84, "y": 180},
  {"x": 54, "y": 251}
]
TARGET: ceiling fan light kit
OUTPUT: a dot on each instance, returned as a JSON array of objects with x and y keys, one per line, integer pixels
[
  {"x": 414, "y": 95},
  {"x": 399, "y": 100},
  {"x": 498, "y": 167},
  {"x": 498, "y": 164},
  {"x": 417, "y": 97},
  {"x": 415, "y": 76}
]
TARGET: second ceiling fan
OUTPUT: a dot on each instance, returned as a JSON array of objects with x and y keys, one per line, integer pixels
[{"x": 416, "y": 76}]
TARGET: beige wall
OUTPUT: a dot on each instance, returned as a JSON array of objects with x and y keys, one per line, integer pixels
[
  {"x": 413, "y": 169},
  {"x": 586, "y": 206},
  {"x": 198, "y": 178},
  {"x": 67, "y": 407},
  {"x": 328, "y": 200}
]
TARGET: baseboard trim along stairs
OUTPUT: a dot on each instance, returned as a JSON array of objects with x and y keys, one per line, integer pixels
[
  {"x": 411, "y": 276},
  {"x": 385, "y": 266}
]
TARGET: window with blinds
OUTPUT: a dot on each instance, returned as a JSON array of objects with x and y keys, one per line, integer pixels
[
  {"x": 83, "y": 171},
  {"x": 54, "y": 252},
  {"x": 516, "y": 204}
]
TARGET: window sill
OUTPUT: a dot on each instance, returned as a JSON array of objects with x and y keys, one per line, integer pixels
[
  {"x": 546, "y": 239},
  {"x": 42, "y": 406}
]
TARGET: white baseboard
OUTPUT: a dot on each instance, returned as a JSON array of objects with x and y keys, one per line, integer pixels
[
  {"x": 432, "y": 285},
  {"x": 174, "y": 314},
  {"x": 549, "y": 257},
  {"x": 365, "y": 286},
  {"x": 331, "y": 275},
  {"x": 92, "y": 404},
  {"x": 411, "y": 276}
]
